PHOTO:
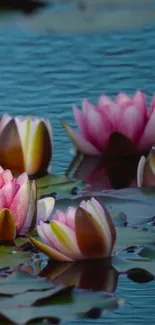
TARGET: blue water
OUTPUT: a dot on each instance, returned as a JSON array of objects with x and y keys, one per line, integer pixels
[{"x": 45, "y": 75}]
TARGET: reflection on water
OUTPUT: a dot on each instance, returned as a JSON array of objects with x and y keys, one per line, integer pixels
[
  {"x": 89, "y": 275},
  {"x": 115, "y": 170}
]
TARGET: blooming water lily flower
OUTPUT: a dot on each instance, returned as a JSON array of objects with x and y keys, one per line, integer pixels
[
  {"x": 83, "y": 233},
  {"x": 125, "y": 115},
  {"x": 19, "y": 209},
  {"x": 25, "y": 144},
  {"x": 146, "y": 170}
]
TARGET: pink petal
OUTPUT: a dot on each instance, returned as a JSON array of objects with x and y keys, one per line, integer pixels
[
  {"x": 7, "y": 176},
  {"x": 20, "y": 205},
  {"x": 80, "y": 142},
  {"x": 153, "y": 103},
  {"x": 22, "y": 178},
  {"x": 99, "y": 128},
  {"x": 112, "y": 113},
  {"x": 42, "y": 235},
  {"x": 140, "y": 102},
  {"x": 47, "y": 234},
  {"x": 148, "y": 138},
  {"x": 123, "y": 98},
  {"x": 1, "y": 180},
  {"x": 3, "y": 203},
  {"x": 44, "y": 208},
  {"x": 1, "y": 170},
  {"x": 64, "y": 239},
  {"x": 60, "y": 216},
  {"x": 83, "y": 204},
  {"x": 31, "y": 214},
  {"x": 52, "y": 253},
  {"x": 9, "y": 190},
  {"x": 131, "y": 123},
  {"x": 105, "y": 101},
  {"x": 86, "y": 107},
  {"x": 70, "y": 217},
  {"x": 81, "y": 122}
]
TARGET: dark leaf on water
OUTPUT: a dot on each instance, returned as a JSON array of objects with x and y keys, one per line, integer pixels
[
  {"x": 140, "y": 276},
  {"x": 25, "y": 6}
]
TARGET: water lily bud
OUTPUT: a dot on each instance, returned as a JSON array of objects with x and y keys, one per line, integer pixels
[
  {"x": 146, "y": 170},
  {"x": 78, "y": 234},
  {"x": 25, "y": 144}
]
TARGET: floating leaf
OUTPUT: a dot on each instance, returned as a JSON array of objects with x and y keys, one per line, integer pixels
[
  {"x": 50, "y": 184},
  {"x": 10, "y": 257},
  {"x": 140, "y": 276},
  {"x": 19, "y": 282},
  {"x": 148, "y": 252},
  {"x": 137, "y": 204},
  {"x": 127, "y": 236},
  {"x": 38, "y": 297},
  {"x": 80, "y": 305},
  {"x": 123, "y": 265}
]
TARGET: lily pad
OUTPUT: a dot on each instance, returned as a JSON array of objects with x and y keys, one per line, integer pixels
[
  {"x": 10, "y": 257},
  {"x": 50, "y": 184},
  {"x": 137, "y": 204},
  {"x": 128, "y": 236},
  {"x": 39, "y": 297},
  {"x": 79, "y": 306},
  {"x": 123, "y": 265},
  {"x": 148, "y": 252},
  {"x": 120, "y": 219},
  {"x": 19, "y": 282}
]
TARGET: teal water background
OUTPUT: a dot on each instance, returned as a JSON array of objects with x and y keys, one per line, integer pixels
[{"x": 44, "y": 75}]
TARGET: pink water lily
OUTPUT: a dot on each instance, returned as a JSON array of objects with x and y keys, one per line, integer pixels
[
  {"x": 146, "y": 170},
  {"x": 25, "y": 144},
  {"x": 125, "y": 115},
  {"x": 19, "y": 209},
  {"x": 83, "y": 233}
]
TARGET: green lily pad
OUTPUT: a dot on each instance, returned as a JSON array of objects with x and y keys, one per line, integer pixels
[
  {"x": 57, "y": 184},
  {"x": 127, "y": 236},
  {"x": 137, "y": 204},
  {"x": 38, "y": 297},
  {"x": 148, "y": 252},
  {"x": 79, "y": 306},
  {"x": 19, "y": 282},
  {"x": 12, "y": 258},
  {"x": 120, "y": 219},
  {"x": 124, "y": 265}
]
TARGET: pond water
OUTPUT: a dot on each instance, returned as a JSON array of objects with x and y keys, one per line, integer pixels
[{"x": 44, "y": 75}]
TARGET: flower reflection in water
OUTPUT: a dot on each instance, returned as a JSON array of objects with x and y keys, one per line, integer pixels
[
  {"x": 96, "y": 275},
  {"x": 116, "y": 169}
]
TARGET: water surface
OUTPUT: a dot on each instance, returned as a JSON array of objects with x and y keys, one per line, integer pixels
[{"x": 44, "y": 75}]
